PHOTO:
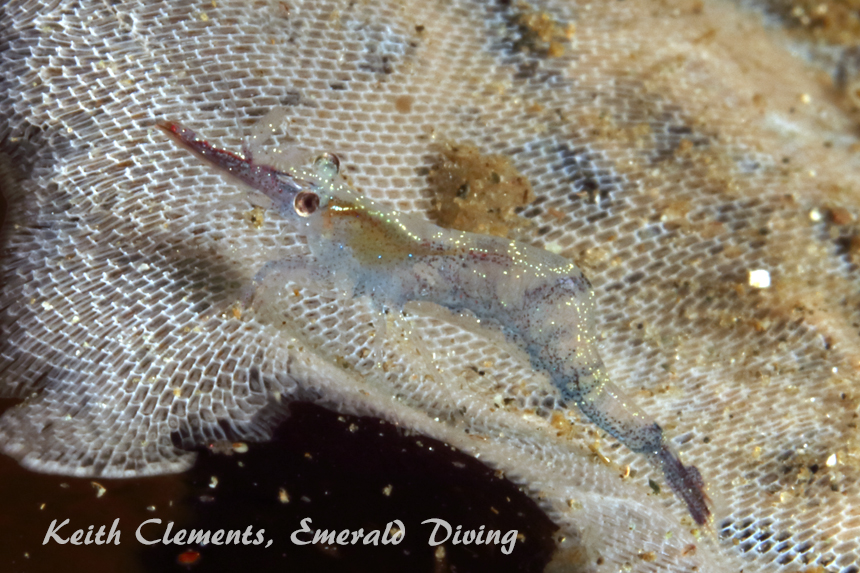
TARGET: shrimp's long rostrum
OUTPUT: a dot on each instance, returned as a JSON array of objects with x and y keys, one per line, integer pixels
[{"x": 542, "y": 301}]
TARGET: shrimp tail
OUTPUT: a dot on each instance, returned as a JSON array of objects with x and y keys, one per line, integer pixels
[{"x": 686, "y": 482}]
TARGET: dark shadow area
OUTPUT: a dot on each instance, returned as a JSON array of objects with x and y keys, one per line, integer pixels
[
  {"x": 342, "y": 472},
  {"x": 352, "y": 473}
]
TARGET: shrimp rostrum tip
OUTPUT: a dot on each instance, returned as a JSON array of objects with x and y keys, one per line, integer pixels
[{"x": 542, "y": 301}]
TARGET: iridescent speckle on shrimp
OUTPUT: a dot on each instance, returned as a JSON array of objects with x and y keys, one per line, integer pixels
[{"x": 542, "y": 301}]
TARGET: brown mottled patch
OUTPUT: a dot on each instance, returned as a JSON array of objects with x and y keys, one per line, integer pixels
[
  {"x": 684, "y": 147},
  {"x": 594, "y": 447},
  {"x": 403, "y": 103},
  {"x": 236, "y": 311},
  {"x": 255, "y": 216},
  {"x": 561, "y": 424},
  {"x": 574, "y": 558},
  {"x": 831, "y": 21},
  {"x": 841, "y": 216},
  {"x": 605, "y": 128},
  {"x": 477, "y": 192},
  {"x": 675, "y": 210},
  {"x": 535, "y": 108},
  {"x": 540, "y": 33}
]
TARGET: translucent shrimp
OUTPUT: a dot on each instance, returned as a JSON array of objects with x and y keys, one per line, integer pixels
[{"x": 542, "y": 301}]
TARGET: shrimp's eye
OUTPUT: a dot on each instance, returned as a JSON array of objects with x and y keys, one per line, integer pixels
[
  {"x": 306, "y": 203},
  {"x": 328, "y": 164}
]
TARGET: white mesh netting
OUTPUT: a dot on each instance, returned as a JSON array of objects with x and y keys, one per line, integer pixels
[{"x": 672, "y": 148}]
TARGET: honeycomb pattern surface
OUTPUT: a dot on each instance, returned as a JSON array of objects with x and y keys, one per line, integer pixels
[{"x": 666, "y": 163}]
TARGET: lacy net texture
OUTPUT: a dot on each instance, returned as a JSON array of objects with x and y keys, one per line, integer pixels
[{"x": 672, "y": 150}]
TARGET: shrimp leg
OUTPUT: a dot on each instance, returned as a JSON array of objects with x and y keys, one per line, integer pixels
[{"x": 292, "y": 269}]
